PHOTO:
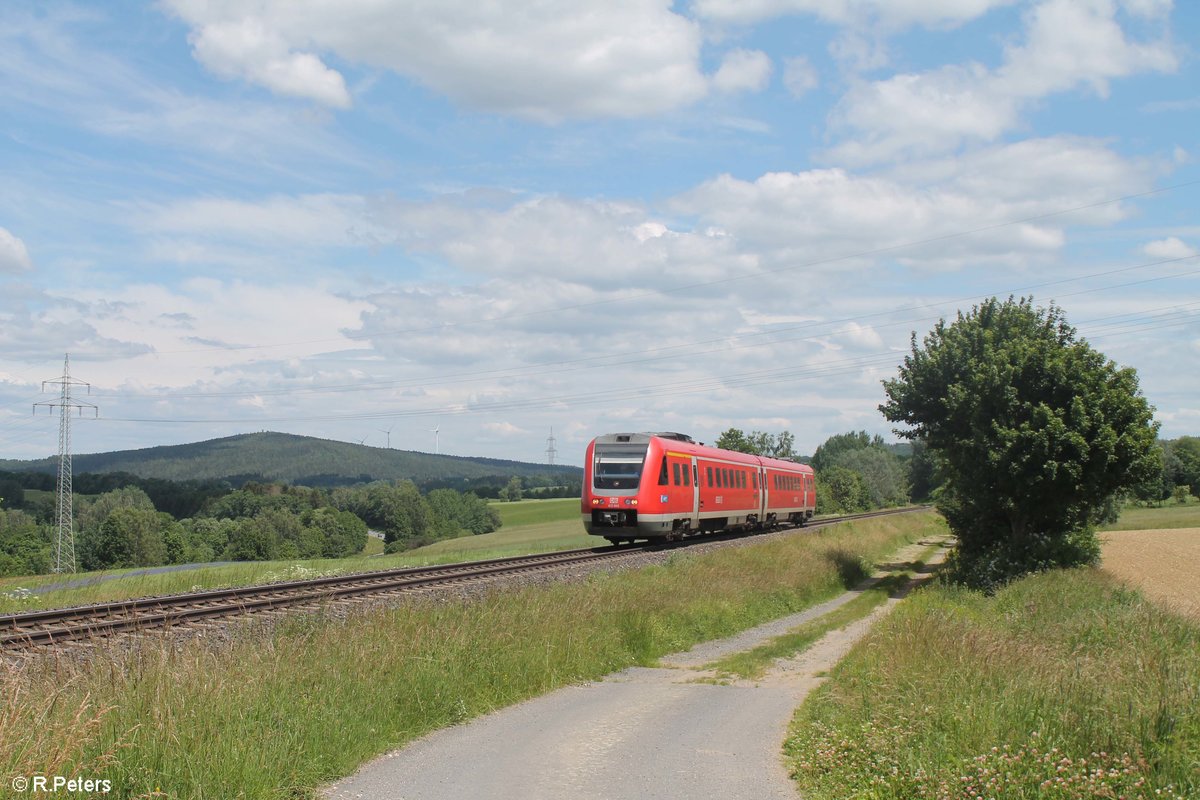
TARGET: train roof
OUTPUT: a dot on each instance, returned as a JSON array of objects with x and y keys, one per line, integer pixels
[{"x": 698, "y": 448}]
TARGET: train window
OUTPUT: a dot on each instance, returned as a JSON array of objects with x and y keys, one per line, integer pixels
[
  {"x": 741, "y": 480},
  {"x": 695, "y": 475},
  {"x": 687, "y": 474},
  {"x": 675, "y": 473},
  {"x": 709, "y": 482},
  {"x": 754, "y": 480},
  {"x": 618, "y": 466},
  {"x": 662, "y": 473}
]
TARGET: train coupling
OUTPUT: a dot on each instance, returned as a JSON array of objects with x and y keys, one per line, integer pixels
[{"x": 614, "y": 519}]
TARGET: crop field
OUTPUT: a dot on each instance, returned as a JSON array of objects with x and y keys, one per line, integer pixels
[
  {"x": 1156, "y": 550},
  {"x": 1162, "y": 563}
]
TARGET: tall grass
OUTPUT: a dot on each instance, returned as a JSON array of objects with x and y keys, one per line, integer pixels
[
  {"x": 1062, "y": 685},
  {"x": 275, "y": 716}
]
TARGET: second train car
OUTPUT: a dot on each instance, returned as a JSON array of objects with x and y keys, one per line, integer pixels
[{"x": 666, "y": 486}]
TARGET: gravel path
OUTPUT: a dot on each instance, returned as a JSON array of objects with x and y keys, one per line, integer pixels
[{"x": 640, "y": 733}]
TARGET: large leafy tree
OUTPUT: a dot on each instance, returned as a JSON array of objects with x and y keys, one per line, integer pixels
[
  {"x": 1034, "y": 431},
  {"x": 760, "y": 443}
]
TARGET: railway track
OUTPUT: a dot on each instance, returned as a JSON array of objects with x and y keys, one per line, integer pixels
[{"x": 33, "y": 629}]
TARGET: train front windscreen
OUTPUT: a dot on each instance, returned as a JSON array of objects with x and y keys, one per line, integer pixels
[{"x": 618, "y": 466}]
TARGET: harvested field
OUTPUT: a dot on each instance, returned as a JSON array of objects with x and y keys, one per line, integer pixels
[{"x": 1164, "y": 564}]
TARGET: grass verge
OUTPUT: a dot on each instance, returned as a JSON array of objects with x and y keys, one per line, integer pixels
[
  {"x": 276, "y": 716},
  {"x": 1062, "y": 685},
  {"x": 753, "y": 664}
]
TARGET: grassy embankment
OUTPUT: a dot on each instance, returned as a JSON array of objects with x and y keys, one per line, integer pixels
[
  {"x": 753, "y": 664},
  {"x": 275, "y": 716},
  {"x": 529, "y": 526},
  {"x": 1062, "y": 685}
]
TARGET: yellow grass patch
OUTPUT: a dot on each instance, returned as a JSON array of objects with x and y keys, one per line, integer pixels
[{"x": 1163, "y": 564}]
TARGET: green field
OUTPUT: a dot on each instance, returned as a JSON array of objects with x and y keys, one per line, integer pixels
[
  {"x": 530, "y": 526},
  {"x": 187, "y": 720},
  {"x": 533, "y": 512},
  {"x": 1170, "y": 515}
]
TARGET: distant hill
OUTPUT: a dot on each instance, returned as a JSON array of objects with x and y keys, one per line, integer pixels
[{"x": 302, "y": 460}]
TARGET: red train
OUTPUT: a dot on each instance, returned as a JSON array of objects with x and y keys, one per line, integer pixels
[{"x": 666, "y": 486}]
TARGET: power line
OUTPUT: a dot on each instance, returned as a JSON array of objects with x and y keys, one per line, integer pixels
[{"x": 64, "y": 541}]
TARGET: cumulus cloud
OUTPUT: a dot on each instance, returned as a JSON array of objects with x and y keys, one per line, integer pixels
[
  {"x": 835, "y": 213},
  {"x": 1171, "y": 247},
  {"x": 547, "y": 62},
  {"x": 14, "y": 256},
  {"x": 245, "y": 48},
  {"x": 743, "y": 70},
  {"x": 1067, "y": 44}
]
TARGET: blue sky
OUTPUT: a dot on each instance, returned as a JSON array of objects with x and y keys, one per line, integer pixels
[{"x": 364, "y": 220}]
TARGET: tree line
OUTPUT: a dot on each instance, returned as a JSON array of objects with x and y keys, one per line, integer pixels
[
  {"x": 126, "y": 526},
  {"x": 855, "y": 471}
]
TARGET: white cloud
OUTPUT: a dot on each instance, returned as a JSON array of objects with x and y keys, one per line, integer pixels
[
  {"x": 894, "y": 14},
  {"x": 799, "y": 76},
  {"x": 14, "y": 256},
  {"x": 809, "y": 216},
  {"x": 1068, "y": 44},
  {"x": 505, "y": 429},
  {"x": 743, "y": 70},
  {"x": 1171, "y": 247},
  {"x": 244, "y": 48},
  {"x": 1074, "y": 42},
  {"x": 547, "y": 62},
  {"x": 304, "y": 220}
]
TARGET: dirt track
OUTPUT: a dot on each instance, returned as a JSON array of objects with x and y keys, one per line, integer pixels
[{"x": 1163, "y": 564}]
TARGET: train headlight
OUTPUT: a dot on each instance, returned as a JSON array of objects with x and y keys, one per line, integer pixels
[
  {"x": 597, "y": 501},
  {"x": 631, "y": 501}
]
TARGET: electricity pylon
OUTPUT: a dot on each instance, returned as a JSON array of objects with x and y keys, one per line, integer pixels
[
  {"x": 64, "y": 541},
  {"x": 551, "y": 450}
]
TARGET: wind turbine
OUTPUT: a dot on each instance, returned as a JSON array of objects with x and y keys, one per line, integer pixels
[
  {"x": 389, "y": 436},
  {"x": 435, "y": 431}
]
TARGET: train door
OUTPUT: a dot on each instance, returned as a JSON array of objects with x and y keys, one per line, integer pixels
[
  {"x": 695, "y": 495},
  {"x": 763, "y": 494}
]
